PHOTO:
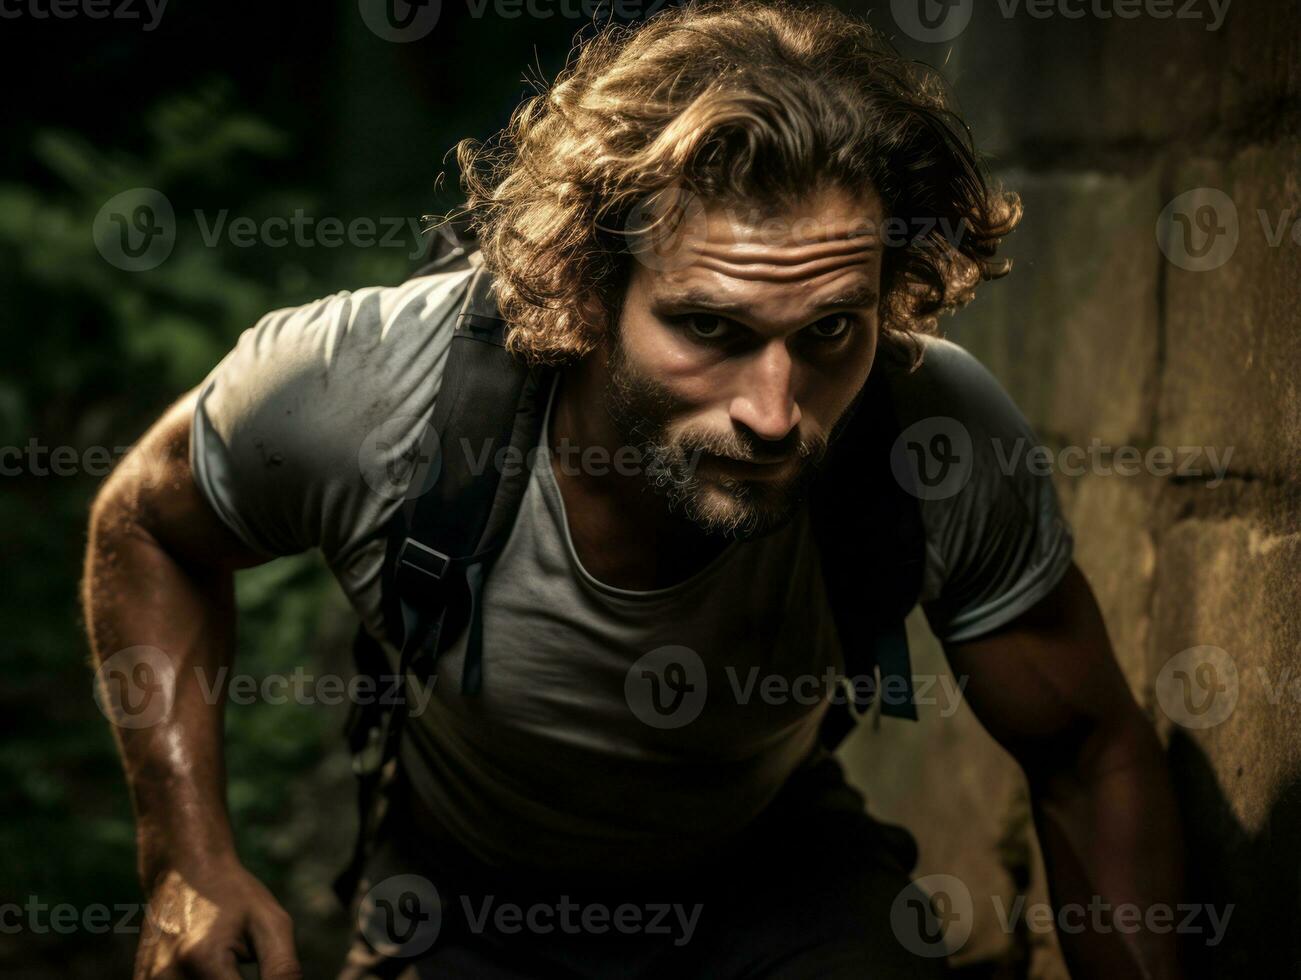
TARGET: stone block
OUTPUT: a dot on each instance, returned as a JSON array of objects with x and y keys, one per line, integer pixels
[
  {"x": 1072, "y": 331},
  {"x": 1232, "y": 372}
]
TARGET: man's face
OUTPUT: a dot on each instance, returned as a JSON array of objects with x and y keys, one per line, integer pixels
[{"x": 741, "y": 342}]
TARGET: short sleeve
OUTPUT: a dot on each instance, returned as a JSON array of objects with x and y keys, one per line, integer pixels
[
  {"x": 996, "y": 539},
  {"x": 303, "y": 435}
]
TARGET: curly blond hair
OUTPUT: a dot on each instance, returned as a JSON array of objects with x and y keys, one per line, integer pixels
[{"x": 733, "y": 102}]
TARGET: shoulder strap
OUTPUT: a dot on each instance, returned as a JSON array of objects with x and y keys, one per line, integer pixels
[
  {"x": 870, "y": 536},
  {"x": 487, "y": 419},
  {"x": 450, "y": 243},
  {"x": 444, "y": 538}
]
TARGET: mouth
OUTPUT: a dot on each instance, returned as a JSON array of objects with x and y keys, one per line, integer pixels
[{"x": 751, "y": 469}]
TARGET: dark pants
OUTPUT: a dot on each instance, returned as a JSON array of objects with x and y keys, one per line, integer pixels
[{"x": 807, "y": 891}]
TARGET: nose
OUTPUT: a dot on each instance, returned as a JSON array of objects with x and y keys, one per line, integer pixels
[{"x": 766, "y": 402}]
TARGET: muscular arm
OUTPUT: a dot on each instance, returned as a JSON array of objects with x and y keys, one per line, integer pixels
[
  {"x": 159, "y": 573},
  {"x": 1047, "y": 687}
]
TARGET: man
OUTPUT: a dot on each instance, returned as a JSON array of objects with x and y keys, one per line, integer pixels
[{"x": 700, "y": 226}]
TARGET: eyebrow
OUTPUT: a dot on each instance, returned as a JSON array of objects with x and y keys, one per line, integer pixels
[{"x": 697, "y": 299}]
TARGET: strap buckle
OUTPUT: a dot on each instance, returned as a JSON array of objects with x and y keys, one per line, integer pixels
[{"x": 424, "y": 559}]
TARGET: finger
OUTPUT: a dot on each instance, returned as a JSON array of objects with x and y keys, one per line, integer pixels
[
  {"x": 273, "y": 941},
  {"x": 146, "y": 954},
  {"x": 155, "y": 952}
]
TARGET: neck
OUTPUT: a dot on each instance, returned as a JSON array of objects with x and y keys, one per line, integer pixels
[{"x": 622, "y": 529}]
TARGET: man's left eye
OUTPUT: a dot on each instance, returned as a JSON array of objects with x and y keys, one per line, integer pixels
[{"x": 832, "y": 327}]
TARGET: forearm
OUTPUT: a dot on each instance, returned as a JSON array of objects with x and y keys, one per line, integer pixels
[
  {"x": 136, "y": 594},
  {"x": 1112, "y": 844}
]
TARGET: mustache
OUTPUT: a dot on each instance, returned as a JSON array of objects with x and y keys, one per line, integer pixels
[{"x": 734, "y": 446}]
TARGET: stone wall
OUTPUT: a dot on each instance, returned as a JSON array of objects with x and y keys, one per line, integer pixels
[{"x": 1115, "y": 331}]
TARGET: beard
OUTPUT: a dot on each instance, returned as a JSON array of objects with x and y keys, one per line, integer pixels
[{"x": 642, "y": 410}]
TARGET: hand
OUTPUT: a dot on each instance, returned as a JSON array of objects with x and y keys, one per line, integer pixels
[{"x": 201, "y": 923}]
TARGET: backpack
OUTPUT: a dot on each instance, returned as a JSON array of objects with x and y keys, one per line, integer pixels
[{"x": 443, "y": 540}]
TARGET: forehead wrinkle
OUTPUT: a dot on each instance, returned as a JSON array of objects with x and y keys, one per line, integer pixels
[
  {"x": 694, "y": 297},
  {"x": 769, "y": 272},
  {"x": 752, "y": 252}
]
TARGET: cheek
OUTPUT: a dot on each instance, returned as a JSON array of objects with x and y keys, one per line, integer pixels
[
  {"x": 829, "y": 388},
  {"x": 863, "y": 355},
  {"x": 659, "y": 353}
]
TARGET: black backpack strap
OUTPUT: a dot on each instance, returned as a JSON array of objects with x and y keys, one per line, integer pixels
[
  {"x": 445, "y": 537},
  {"x": 450, "y": 244},
  {"x": 872, "y": 543},
  {"x": 487, "y": 420}
]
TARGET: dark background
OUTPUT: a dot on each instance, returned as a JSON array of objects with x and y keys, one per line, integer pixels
[{"x": 262, "y": 109}]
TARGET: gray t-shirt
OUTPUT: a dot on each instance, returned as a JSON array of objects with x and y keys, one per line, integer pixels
[{"x": 305, "y": 436}]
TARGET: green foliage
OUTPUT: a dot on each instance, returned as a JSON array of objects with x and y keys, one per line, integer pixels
[{"x": 91, "y": 354}]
